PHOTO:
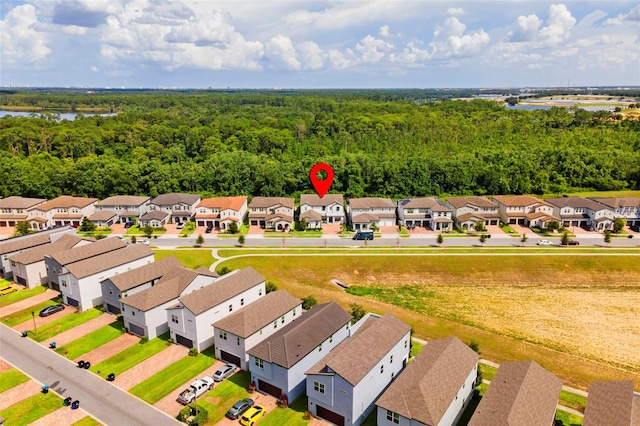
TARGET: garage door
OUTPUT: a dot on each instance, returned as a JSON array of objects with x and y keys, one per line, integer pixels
[
  {"x": 270, "y": 389},
  {"x": 329, "y": 415},
  {"x": 136, "y": 329},
  {"x": 184, "y": 341},
  {"x": 21, "y": 280},
  {"x": 72, "y": 302},
  {"x": 113, "y": 309},
  {"x": 55, "y": 286},
  {"x": 226, "y": 356}
]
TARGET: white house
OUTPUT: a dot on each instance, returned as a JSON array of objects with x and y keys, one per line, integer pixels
[
  {"x": 191, "y": 318},
  {"x": 434, "y": 389},
  {"x": 578, "y": 211},
  {"x": 104, "y": 218},
  {"x": 219, "y": 212},
  {"x": 155, "y": 218},
  {"x": 612, "y": 403},
  {"x": 366, "y": 212},
  {"x": 17, "y": 209},
  {"x": 272, "y": 213},
  {"x": 125, "y": 206},
  {"x": 242, "y": 330},
  {"x": 626, "y": 207},
  {"x": 427, "y": 212},
  {"x": 62, "y": 211},
  {"x": 468, "y": 211},
  {"x": 180, "y": 206},
  {"x": 524, "y": 210},
  {"x": 343, "y": 386},
  {"x": 278, "y": 364},
  {"x": 316, "y": 210},
  {"x": 145, "y": 312}
]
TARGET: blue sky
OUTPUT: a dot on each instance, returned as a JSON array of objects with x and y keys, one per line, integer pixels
[{"x": 319, "y": 44}]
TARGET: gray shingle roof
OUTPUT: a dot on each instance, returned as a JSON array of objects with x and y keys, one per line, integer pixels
[
  {"x": 155, "y": 215},
  {"x": 315, "y": 200},
  {"x": 264, "y": 202},
  {"x": 311, "y": 215},
  {"x": 371, "y": 202},
  {"x": 458, "y": 202},
  {"x": 175, "y": 198},
  {"x": 37, "y": 254},
  {"x": 297, "y": 339},
  {"x": 574, "y": 202},
  {"x": 614, "y": 203},
  {"x": 123, "y": 200},
  {"x": 102, "y": 215},
  {"x": 111, "y": 259},
  {"x": 80, "y": 253},
  {"x": 424, "y": 203},
  {"x": 612, "y": 404},
  {"x": 146, "y": 273},
  {"x": 66, "y": 201}
]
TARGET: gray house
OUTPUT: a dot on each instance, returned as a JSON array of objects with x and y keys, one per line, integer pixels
[
  {"x": 181, "y": 207},
  {"x": 427, "y": 212},
  {"x": 125, "y": 206}
]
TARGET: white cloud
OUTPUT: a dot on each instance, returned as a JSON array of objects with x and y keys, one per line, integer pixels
[
  {"x": 74, "y": 30},
  {"x": 310, "y": 55},
  {"x": 527, "y": 28},
  {"x": 633, "y": 16},
  {"x": 452, "y": 39},
  {"x": 280, "y": 49},
  {"x": 455, "y": 11},
  {"x": 21, "y": 43},
  {"x": 559, "y": 24},
  {"x": 372, "y": 50}
]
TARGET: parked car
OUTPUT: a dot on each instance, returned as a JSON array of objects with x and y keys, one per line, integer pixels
[
  {"x": 128, "y": 224},
  {"x": 209, "y": 229},
  {"x": 180, "y": 225},
  {"x": 635, "y": 228},
  {"x": 224, "y": 372},
  {"x": 145, "y": 242},
  {"x": 573, "y": 243},
  {"x": 238, "y": 408},
  {"x": 194, "y": 390},
  {"x": 50, "y": 310},
  {"x": 252, "y": 415},
  {"x": 544, "y": 243},
  {"x": 7, "y": 290}
]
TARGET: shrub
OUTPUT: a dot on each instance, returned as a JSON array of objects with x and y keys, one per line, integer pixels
[
  {"x": 193, "y": 352},
  {"x": 144, "y": 339},
  {"x": 185, "y": 414},
  {"x": 309, "y": 302},
  {"x": 270, "y": 286}
]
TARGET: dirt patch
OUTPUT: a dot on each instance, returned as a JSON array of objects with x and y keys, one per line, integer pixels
[
  {"x": 150, "y": 366},
  {"x": 109, "y": 349}
]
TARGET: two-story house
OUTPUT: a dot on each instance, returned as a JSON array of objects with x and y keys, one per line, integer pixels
[
  {"x": 434, "y": 389},
  {"x": 126, "y": 207},
  {"x": 131, "y": 282},
  {"x": 219, "y": 212},
  {"x": 235, "y": 334},
  {"x": 272, "y": 213},
  {"x": 181, "y": 207},
  {"x": 521, "y": 393},
  {"x": 63, "y": 211},
  {"x": 612, "y": 403},
  {"x": 427, "y": 212},
  {"x": 145, "y": 312},
  {"x": 524, "y": 210},
  {"x": 278, "y": 364},
  {"x": 468, "y": 211},
  {"x": 364, "y": 213},
  {"x": 316, "y": 210},
  {"x": 191, "y": 318},
  {"x": 19, "y": 209},
  {"x": 343, "y": 386},
  {"x": 578, "y": 211},
  {"x": 625, "y": 207}
]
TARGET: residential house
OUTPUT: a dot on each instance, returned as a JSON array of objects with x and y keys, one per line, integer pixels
[
  {"x": 12, "y": 246},
  {"x": 28, "y": 267},
  {"x": 612, "y": 404},
  {"x": 278, "y": 364},
  {"x": 18, "y": 209},
  {"x": 62, "y": 211},
  {"x": 578, "y": 211},
  {"x": 155, "y": 218},
  {"x": 272, "y": 213},
  {"x": 625, "y": 207},
  {"x": 343, "y": 386},
  {"x": 191, "y": 318},
  {"x": 126, "y": 207},
  {"x": 104, "y": 218},
  {"x": 235, "y": 334},
  {"x": 521, "y": 393},
  {"x": 427, "y": 212},
  {"x": 468, "y": 211},
  {"x": 524, "y": 210},
  {"x": 129, "y": 283},
  {"x": 316, "y": 210},
  {"x": 145, "y": 312},
  {"x": 365, "y": 213},
  {"x": 221, "y": 211},
  {"x": 182, "y": 207},
  {"x": 434, "y": 389}
]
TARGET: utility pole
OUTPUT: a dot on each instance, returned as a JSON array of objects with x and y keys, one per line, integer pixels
[{"x": 33, "y": 315}]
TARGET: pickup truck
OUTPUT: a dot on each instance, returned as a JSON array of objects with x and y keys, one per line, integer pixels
[{"x": 194, "y": 390}]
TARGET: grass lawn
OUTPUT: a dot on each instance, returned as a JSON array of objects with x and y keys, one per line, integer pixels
[
  {"x": 189, "y": 258},
  {"x": 614, "y": 194},
  {"x": 47, "y": 331},
  {"x": 131, "y": 356},
  {"x": 99, "y": 337},
  {"x": 19, "y": 295},
  {"x": 224, "y": 395},
  {"x": 568, "y": 419},
  {"x": 416, "y": 348},
  {"x": 25, "y": 314},
  {"x": 164, "y": 382},
  {"x": 292, "y": 416},
  {"x": 572, "y": 400},
  {"x": 188, "y": 229},
  {"x": 87, "y": 421},
  {"x": 11, "y": 378},
  {"x": 487, "y": 371},
  {"x": 31, "y": 409},
  {"x": 509, "y": 230}
]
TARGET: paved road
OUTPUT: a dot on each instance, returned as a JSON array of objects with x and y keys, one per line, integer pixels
[{"x": 107, "y": 403}]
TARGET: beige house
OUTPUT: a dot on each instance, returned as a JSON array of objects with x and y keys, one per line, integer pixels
[
  {"x": 62, "y": 211},
  {"x": 427, "y": 212},
  {"x": 468, "y": 211},
  {"x": 272, "y": 213},
  {"x": 366, "y": 212},
  {"x": 181, "y": 207},
  {"x": 17, "y": 209},
  {"x": 126, "y": 207},
  {"x": 220, "y": 212},
  {"x": 316, "y": 210},
  {"x": 583, "y": 212},
  {"x": 524, "y": 210},
  {"x": 625, "y": 207}
]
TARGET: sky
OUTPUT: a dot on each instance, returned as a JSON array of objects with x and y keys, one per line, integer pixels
[{"x": 319, "y": 44}]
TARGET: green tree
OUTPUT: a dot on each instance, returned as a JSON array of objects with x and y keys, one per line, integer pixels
[
  {"x": 475, "y": 346},
  {"x": 607, "y": 236},
  {"x": 565, "y": 239},
  {"x": 553, "y": 225},
  {"x": 241, "y": 240},
  {"x": 619, "y": 224},
  {"x": 134, "y": 239},
  {"x": 309, "y": 302},
  {"x": 301, "y": 225},
  {"x": 200, "y": 240},
  {"x": 480, "y": 226},
  {"x": 87, "y": 225},
  {"x": 524, "y": 239},
  {"x": 270, "y": 286},
  {"x": 357, "y": 312},
  {"x": 22, "y": 228},
  {"x": 223, "y": 270},
  {"x": 233, "y": 228},
  {"x": 440, "y": 239},
  {"x": 147, "y": 230},
  {"x": 483, "y": 239}
]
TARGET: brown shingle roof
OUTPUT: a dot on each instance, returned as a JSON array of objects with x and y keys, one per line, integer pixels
[
  {"x": 521, "y": 393},
  {"x": 103, "y": 262},
  {"x": 123, "y": 200},
  {"x": 365, "y": 218},
  {"x": 371, "y": 203},
  {"x": 15, "y": 202},
  {"x": 354, "y": 357},
  {"x": 575, "y": 202},
  {"x": 258, "y": 314},
  {"x": 146, "y": 273},
  {"x": 297, "y": 339},
  {"x": 517, "y": 200},
  {"x": 458, "y": 202},
  {"x": 90, "y": 250},
  {"x": 614, "y": 203},
  {"x": 315, "y": 200},
  {"x": 103, "y": 215},
  {"x": 612, "y": 404},
  {"x": 175, "y": 198},
  {"x": 23, "y": 242},
  {"x": 155, "y": 215},
  {"x": 264, "y": 202},
  {"x": 37, "y": 254},
  {"x": 223, "y": 203},
  {"x": 423, "y": 203},
  {"x": 66, "y": 201},
  {"x": 429, "y": 385},
  {"x": 311, "y": 215},
  {"x": 224, "y": 289}
]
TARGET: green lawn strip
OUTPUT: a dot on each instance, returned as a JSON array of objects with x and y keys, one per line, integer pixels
[
  {"x": 292, "y": 416},
  {"x": 11, "y": 378},
  {"x": 65, "y": 323},
  {"x": 224, "y": 395},
  {"x": 189, "y": 258},
  {"x": 165, "y": 381},
  {"x": 131, "y": 356},
  {"x": 31, "y": 409},
  {"x": 371, "y": 419},
  {"x": 568, "y": 419},
  {"x": 25, "y": 314},
  {"x": 482, "y": 388},
  {"x": 487, "y": 371},
  {"x": 416, "y": 348},
  {"x": 19, "y": 295},
  {"x": 572, "y": 400},
  {"x": 87, "y": 421},
  {"x": 88, "y": 342}
]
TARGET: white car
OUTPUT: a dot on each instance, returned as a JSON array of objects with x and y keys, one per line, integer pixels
[
  {"x": 196, "y": 389},
  {"x": 544, "y": 243},
  {"x": 145, "y": 242}
]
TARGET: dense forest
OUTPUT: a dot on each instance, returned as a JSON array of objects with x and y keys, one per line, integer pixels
[{"x": 379, "y": 144}]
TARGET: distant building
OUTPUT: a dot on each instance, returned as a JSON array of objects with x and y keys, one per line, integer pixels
[
  {"x": 62, "y": 211},
  {"x": 367, "y": 212},
  {"x": 274, "y": 213},
  {"x": 427, "y": 212}
]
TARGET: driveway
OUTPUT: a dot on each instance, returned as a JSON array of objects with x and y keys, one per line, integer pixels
[
  {"x": 26, "y": 303},
  {"x": 109, "y": 349},
  {"x": 330, "y": 229},
  {"x": 150, "y": 366},
  {"x": 28, "y": 325},
  {"x": 79, "y": 331},
  {"x": 267, "y": 401},
  {"x": 19, "y": 393},
  {"x": 62, "y": 416}
]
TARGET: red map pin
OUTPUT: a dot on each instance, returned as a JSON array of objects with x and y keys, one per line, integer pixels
[{"x": 321, "y": 186}]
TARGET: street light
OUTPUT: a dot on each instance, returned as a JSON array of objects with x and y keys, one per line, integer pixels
[{"x": 33, "y": 315}]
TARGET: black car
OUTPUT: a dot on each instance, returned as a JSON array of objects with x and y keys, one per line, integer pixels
[
  {"x": 128, "y": 224},
  {"x": 209, "y": 229},
  {"x": 239, "y": 408},
  {"x": 50, "y": 310},
  {"x": 635, "y": 228}
]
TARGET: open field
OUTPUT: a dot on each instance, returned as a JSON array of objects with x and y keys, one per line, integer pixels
[{"x": 575, "y": 315}]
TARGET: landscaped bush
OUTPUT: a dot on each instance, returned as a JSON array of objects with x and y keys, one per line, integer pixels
[
  {"x": 193, "y": 352},
  {"x": 200, "y": 418}
]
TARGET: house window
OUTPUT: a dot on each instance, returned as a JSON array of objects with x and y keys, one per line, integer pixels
[
  {"x": 381, "y": 369},
  {"x": 230, "y": 308},
  {"x": 241, "y": 302},
  {"x": 133, "y": 312},
  {"x": 275, "y": 324},
  {"x": 294, "y": 312},
  {"x": 320, "y": 347},
  {"x": 13, "y": 264},
  {"x": 282, "y": 319},
  {"x": 391, "y": 359},
  {"x": 259, "y": 363},
  {"x": 238, "y": 341},
  {"x": 174, "y": 319},
  {"x": 318, "y": 387},
  {"x": 393, "y": 417},
  {"x": 405, "y": 343},
  {"x": 223, "y": 335},
  {"x": 259, "y": 292},
  {"x": 110, "y": 291},
  {"x": 64, "y": 283}
]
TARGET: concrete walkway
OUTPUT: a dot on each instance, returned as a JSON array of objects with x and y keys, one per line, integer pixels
[{"x": 26, "y": 303}]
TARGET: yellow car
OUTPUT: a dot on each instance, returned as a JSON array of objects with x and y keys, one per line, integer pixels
[
  {"x": 7, "y": 290},
  {"x": 252, "y": 415}
]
